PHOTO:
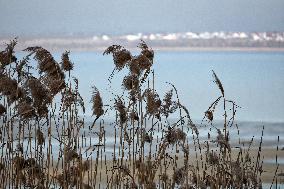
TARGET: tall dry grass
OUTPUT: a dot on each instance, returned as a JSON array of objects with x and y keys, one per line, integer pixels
[{"x": 151, "y": 150}]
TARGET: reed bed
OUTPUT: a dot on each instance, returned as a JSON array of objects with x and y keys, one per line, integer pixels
[{"x": 156, "y": 143}]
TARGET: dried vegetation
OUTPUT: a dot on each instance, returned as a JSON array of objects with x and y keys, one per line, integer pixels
[{"x": 149, "y": 142}]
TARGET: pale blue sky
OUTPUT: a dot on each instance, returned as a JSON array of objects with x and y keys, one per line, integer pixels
[{"x": 34, "y": 17}]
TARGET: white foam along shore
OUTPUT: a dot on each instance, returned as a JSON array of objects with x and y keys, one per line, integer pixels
[{"x": 186, "y": 41}]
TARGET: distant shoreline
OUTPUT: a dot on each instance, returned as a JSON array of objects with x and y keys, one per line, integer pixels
[
  {"x": 225, "y": 49},
  {"x": 171, "y": 49},
  {"x": 226, "y": 42}
]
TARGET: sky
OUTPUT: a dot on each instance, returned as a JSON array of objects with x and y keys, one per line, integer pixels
[{"x": 34, "y": 17}]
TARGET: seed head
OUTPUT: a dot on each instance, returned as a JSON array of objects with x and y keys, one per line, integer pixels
[
  {"x": 66, "y": 64},
  {"x": 131, "y": 82},
  {"x": 97, "y": 103}
]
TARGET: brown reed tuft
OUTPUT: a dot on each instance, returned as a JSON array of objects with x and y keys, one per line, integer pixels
[
  {"x": 146, "y": 51},
  {"x": 20, "y": 67},
  {"x": 19, "y": 163},
  {"x": 54, "y": 76},
  {"x": 153, "y": 103},
  {"x": 120, "y": 107},
  {"x": 7, "y": 56},
  {"x": 54, "y": 85},
  {"x": 134, "y": 67},
  {"x": 2, "y": 109},
  {"x": 70, "y": 155},
  {"x": 134, "y": 116},
  {"x": 146, "y": 137},
  {"x": 97, "y": 102},
  {"x": 142, "y": 62},
  {"x": 209, "y": 115},
  {"x": 175, "y": 135},
  {"x": 131, "y": 82},
  {"x": 26, "y": 110},
  {"x": 133, "y": 166},
  {"x": 46, "y": 62},
  {"x": 69, "y": 98},
  {"x": 121, "y": 56},
  {"x": 66, "y": 64},
  {"x": 40, "y": 94},
  {"x": 9, "y": 87},
  {"x": 168, "y": 106}
]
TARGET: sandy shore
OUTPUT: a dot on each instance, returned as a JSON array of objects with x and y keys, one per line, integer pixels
[{"x": 103, "y": 169}]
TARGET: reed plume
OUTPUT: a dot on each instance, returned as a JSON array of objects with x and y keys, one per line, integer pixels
[
  {"x": 120, "y": 107},
  {"x": 97, "y": 103},
  {"x": 148, "y": 146},
  {"x": 121, "y": 56},
  {"x": 9, "y": 87},
  {"x": 66, "y": 64},
  {"x": 153, "y": 103},
  {"x": 7, "y": 56}
]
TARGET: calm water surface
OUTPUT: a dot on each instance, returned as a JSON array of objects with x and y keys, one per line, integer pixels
[{"x": 255, "y": 80}]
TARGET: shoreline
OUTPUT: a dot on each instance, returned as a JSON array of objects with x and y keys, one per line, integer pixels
[
  {"x": 167, "y": 49},
  {"x": 221, "y": 49}
]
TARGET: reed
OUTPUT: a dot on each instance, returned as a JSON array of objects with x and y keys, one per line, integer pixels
[{"x": 156, "y": 143}]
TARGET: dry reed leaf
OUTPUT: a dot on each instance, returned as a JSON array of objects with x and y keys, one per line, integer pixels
[{"x": 218, "y": 82}]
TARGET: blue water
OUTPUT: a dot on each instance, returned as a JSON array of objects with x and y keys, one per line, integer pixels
[{"x": 254, "y": 80}]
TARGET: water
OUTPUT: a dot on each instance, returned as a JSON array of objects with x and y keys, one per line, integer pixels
[{"x": 254, "y": 80}]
